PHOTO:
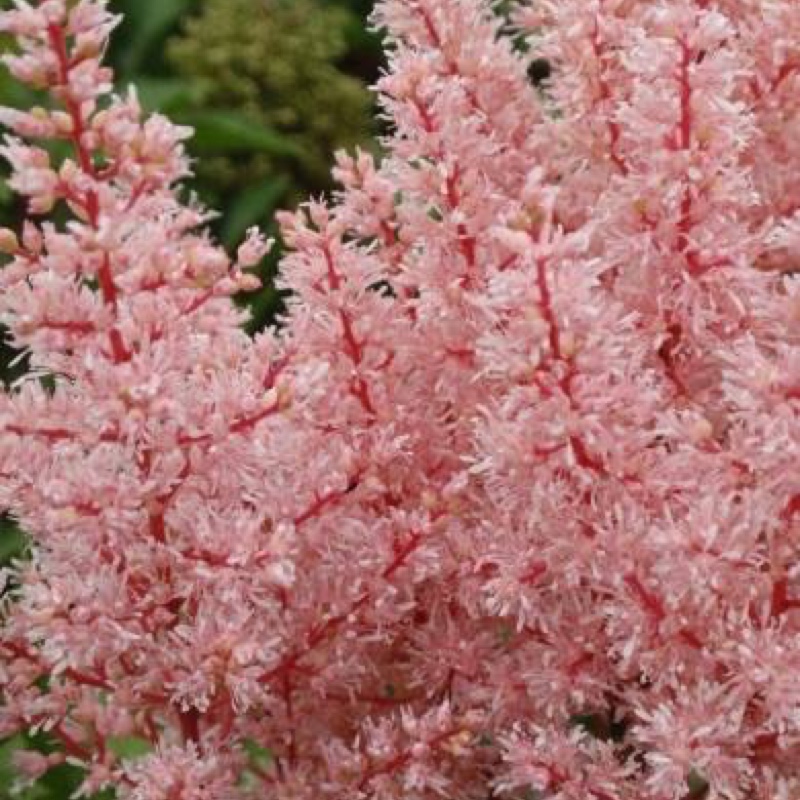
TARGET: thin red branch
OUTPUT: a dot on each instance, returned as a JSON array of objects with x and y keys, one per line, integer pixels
[{"x": 108, "y": 288}]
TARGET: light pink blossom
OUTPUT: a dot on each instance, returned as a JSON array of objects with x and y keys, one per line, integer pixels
[{"x": 505, "y": 505}]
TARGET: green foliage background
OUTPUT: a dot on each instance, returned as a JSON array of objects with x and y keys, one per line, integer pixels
[{"x": 272, "y": 89}]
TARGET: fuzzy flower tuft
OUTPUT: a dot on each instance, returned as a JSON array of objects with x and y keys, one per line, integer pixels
[{"x": 507, "y": 506}]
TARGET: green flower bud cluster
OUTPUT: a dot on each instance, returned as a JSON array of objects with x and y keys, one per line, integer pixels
[{"x": 274, "y": 62}]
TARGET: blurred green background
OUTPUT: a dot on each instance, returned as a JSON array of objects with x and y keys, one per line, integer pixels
[{"x": 272, "y": 89}]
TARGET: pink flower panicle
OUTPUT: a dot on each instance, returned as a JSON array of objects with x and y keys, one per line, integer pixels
[{"x": 508, "y": 506}]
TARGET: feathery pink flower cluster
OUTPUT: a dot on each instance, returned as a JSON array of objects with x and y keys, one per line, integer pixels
[{"x": 508, "y": 507}]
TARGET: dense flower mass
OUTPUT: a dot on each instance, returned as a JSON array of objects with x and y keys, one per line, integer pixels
[{"x": 507, "y": 508}]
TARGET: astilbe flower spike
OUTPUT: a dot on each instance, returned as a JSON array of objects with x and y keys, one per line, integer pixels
[{"x": 506, "y": 508}]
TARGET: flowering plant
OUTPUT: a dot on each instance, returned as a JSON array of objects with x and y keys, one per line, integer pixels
[{"x": 507, "y": 507}]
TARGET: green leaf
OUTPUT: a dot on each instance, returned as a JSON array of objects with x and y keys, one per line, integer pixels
[
  {"x": 147, "y": 23},
  {"x": 59, "y": 782},
  {"x": 166, "y": 95},
  {"x": 699, "y": 787},
  {"x": 129, "y": 747},
  {"x": 251, "y": 207},
  {"x": 259, "y": 756},
  {"x": 360, "y": 38},
  {"x": 600, "y": 725},
  {"x": 231, "y": 132},
  {"x": 12, "y": 540},
  {"x": 7, "y": 748},
  {"x": 12, "y": 92}
]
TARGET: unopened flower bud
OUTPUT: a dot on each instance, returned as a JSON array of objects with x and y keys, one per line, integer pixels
[
  {"x": 9, "y": 243},
  {"x": 253, "y": 249}
]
